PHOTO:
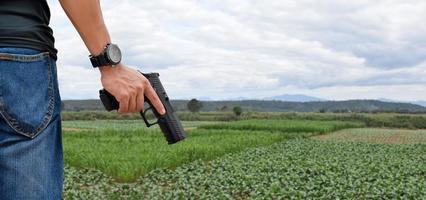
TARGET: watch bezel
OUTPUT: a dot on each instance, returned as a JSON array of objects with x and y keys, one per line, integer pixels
[{"x": 110, "y": 52}]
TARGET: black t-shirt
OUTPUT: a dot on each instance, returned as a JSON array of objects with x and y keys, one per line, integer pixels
[{"x": 25, "y": 23}]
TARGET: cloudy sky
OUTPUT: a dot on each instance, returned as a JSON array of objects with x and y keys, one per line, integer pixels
[{"x": 354, "y": 49}]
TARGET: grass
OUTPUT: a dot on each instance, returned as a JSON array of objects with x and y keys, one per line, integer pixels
[
  {"x": 127, "y": 150},
  {"x": 249, "y": 159},
  {"x": 127, "y": 155},
  {"x": 284, "y": 125},
  {"x": 389, "y": 136},
  {"x": 394, "y": 120},
  {"x": 122, "y": 124}
]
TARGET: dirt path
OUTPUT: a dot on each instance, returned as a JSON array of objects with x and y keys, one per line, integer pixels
[{"x": 73, "y": 129}]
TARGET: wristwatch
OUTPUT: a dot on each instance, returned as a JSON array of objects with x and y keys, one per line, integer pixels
[{"x": 110, "y": 55}]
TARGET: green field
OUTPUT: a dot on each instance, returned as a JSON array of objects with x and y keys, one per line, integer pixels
[
  {"x": 126, "y": 150},
  {"x": 247, "y": 159},
  {"x": 297, "y": 169},
  {"x": 300, "y": 169},
  {"x": 124, "y": 125}
]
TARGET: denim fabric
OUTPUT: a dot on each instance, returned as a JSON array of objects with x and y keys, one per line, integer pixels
[{"x": 31, "y": 160}]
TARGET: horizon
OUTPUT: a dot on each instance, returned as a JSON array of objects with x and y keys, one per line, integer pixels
[
  {"x": 258, "y": 49},
  {"x": 277, "y": 99}
]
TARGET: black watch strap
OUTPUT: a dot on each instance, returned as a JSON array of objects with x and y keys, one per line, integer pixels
[{"x": 99, "y": 60}]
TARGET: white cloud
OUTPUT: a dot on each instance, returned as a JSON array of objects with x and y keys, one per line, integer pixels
[
  {"x": 397, "y": 92},
  {"x": 78, "y": 82},
  {"x": 258, "y": 48}
]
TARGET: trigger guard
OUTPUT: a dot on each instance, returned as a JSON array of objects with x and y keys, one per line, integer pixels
[{"x": 146, "y": 120}]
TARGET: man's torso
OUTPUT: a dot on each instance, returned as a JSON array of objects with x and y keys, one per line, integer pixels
[{"x": 25, "y": 23}]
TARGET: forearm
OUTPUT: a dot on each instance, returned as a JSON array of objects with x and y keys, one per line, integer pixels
[
  {"x": 127, "y": 85},
  {"x": 86, "y": 16}
]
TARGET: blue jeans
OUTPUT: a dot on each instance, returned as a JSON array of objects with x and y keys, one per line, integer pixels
[{"x": 31, "y": 161}]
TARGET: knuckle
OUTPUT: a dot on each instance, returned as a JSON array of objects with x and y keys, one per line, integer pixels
[
  {"x": 123, "y": 96},
  {"x": 132, "y": 94},
  {"x": 127, "y": 95},
  {"x": 137, "y": 92},
  {"x": 139, "y": 87},
  {"x": 145, "y": 81}
]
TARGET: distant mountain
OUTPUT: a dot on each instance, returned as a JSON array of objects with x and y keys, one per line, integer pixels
[
  {"x": 237, "y": 99},
  {"x": 274, "y": 106},
  {"x": 294, "y": 98},
  {"x": 422, "y": 103},
  {"x": 387, "y": 100},
  {"x": 205, "y": 99}
]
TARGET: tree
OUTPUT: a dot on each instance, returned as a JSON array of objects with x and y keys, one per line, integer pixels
[
  {"x": 194, "y": 105},
  {"x": 223, "y": 108},
  {"x": 237, "y": 110}
]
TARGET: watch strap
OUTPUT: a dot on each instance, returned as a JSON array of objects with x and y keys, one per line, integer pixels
[{"x": 99, "y": 60}]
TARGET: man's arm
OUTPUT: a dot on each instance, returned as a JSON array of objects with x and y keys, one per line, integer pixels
[{"x": 126, "y": 84}]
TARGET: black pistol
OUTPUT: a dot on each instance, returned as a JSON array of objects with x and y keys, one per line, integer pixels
[{"x": 169, "y": 123}]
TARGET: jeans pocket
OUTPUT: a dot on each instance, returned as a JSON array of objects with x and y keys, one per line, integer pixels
[{"x": 27, "y": 91}]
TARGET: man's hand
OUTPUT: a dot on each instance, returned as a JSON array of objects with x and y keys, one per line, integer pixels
[{"x": 130, "y": 88}]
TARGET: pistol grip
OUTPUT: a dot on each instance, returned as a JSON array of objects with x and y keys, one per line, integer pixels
[
  {"x": 108, "y": 100},
  {"x": 110, "y": 103}
]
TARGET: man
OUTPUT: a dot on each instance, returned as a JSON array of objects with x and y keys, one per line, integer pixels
[{"x": 31, "y": 161}]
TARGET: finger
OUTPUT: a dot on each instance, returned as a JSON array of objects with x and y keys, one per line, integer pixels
[
  {"x": 133, "y": 103},
  {"x": 155, "y": 101},
  {"x": 123, "y": 104},
  {"x": 140, "y": 99}
]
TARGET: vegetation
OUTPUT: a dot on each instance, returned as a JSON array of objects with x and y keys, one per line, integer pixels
[
  {"x": 410, "y": 121},
  {"x": 126, "y": 155},
  {"x": 254, "y": 156},
  {"x": 194, "y": 105},
  {"x": 390, "y": 120},
  {"x": 387, "y": 136},
  {"x": 186, "y": 116},
  {"x": 127, "y": 150},
  {"x": 121, "y": 125},
  {"x": 296, "y": 169},
  {"x": 351, "y": 106},
  {"x": 284, "y": 126},
  {"x": 237, "y": 110}
]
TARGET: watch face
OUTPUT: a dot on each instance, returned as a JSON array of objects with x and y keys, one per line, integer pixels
[{"x": 114, "y": 53}]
